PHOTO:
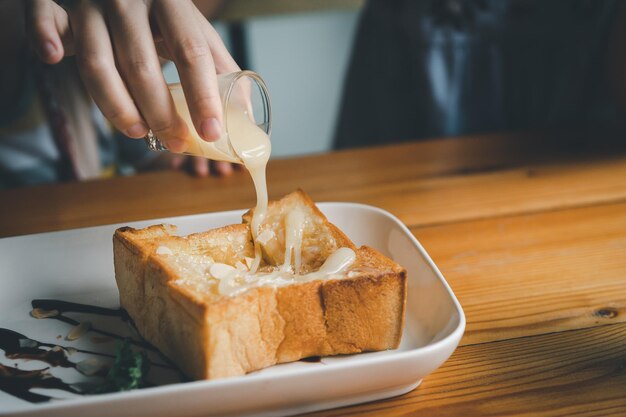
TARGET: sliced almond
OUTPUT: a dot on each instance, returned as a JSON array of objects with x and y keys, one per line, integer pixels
[
  {"x": 90, "y": 366},
  {"x": 40, "y": 313},
  {"x": 78, "y": 331},
  {"x": 221, "y": 271},
  {"x": 265, "y": 236},
  {"x": 249, "y": 262}
]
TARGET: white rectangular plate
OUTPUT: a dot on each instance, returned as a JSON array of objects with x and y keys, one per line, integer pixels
[{"x": 77, "y": 265}]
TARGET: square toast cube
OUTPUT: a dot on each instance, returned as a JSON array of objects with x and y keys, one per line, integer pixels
[{"x": 167, "y": 289}]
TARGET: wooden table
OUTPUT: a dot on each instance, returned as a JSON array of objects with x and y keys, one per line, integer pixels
[{"x": 531, "y": 237}]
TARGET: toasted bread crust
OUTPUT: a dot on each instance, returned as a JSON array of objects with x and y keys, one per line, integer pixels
[{"x": 212, "y": 336}]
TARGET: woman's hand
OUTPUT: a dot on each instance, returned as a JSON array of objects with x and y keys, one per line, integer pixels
[{"x": 118, "y": 44}]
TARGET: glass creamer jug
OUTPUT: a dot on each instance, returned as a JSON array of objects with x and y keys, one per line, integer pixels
[{"x": 246, "y": 106}]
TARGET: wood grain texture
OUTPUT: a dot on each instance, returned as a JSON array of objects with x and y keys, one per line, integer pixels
[
  {"x": 534, "y": 273},
  {"x": 574, "y": 373},
  {"x": 423, "y": 183}
]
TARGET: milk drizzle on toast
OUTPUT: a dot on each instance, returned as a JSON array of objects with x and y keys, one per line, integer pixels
[
  {"x": 253, "y": 146},
  {"x": 233, "y": 281},
  {"x": 294, "y": 225}
]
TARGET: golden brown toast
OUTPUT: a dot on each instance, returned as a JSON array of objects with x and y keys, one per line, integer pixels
[{"x": 169, "y": 287}]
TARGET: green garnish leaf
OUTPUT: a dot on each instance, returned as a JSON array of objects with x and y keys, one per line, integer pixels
[{"x": 128, "y": 370}]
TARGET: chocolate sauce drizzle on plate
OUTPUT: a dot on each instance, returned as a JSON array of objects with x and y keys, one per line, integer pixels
[
  {"x": 19, "y": 382},
  {"x": 69, "y": 307}
]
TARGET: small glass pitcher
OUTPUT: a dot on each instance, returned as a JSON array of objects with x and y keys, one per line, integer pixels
[{"x": 244, "y": 90}]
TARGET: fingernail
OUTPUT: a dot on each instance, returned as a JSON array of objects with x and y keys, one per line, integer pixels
[
  {"x": 176, "y": 145},
  {"x": 137, "y": 130},
  {"x": 48, "y": 49},
  {"x": 211, "y": 129}
]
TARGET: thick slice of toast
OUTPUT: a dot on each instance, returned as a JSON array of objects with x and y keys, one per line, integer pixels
[{"x": 177, "y": 305}]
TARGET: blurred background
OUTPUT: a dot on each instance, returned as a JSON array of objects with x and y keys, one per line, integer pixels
[{"x": 341, "y": 74}]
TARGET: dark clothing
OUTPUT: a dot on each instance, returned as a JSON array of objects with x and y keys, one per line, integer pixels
[{"x": 493, "y": 65}]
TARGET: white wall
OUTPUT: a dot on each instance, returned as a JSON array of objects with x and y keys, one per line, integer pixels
[{"x": 303, "y": 59}]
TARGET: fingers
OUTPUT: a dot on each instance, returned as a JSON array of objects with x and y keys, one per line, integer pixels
[
  {"x": 47, "y": 24},
  {"x": 138, "y": 63},
  {"x": 224, "y": 62},
  {"x": 121, "y": 39},
  {"x": 96, "y": 64},
  {"x": 191, "y": 53}
]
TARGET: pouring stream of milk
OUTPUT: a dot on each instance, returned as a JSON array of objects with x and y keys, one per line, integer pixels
[{"x": 253, "y": 146}]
